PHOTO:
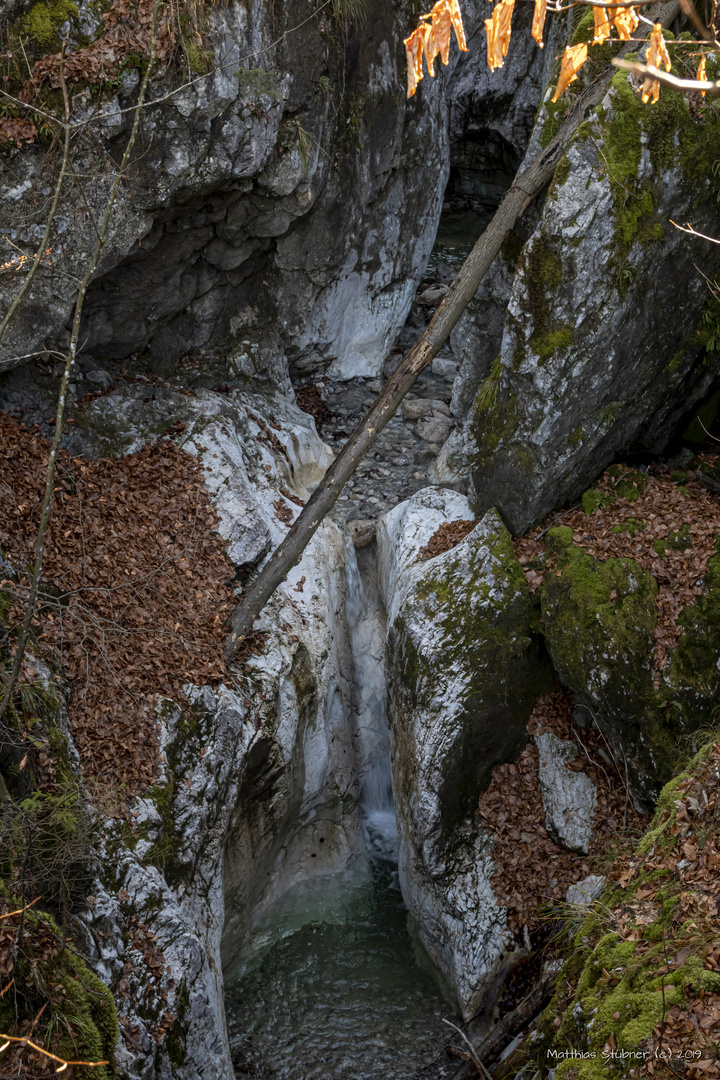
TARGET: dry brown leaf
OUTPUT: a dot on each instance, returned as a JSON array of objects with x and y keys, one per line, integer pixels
[
  {"x": 431, "y": 38},
  {"x": 574, "y": 58},
  {"x": 656, "y": 56},
  {"x": 498, "y": 29},
  {"x": 603, "y": 25},
  {"x": 538, "y": 25},
  {"x": 626, "y": 22}
]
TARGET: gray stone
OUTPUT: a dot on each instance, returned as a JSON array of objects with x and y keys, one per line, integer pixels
[
  {"x": 569, "y": 798},
  {"x": 414, "y": 408},
  {"x": 431, "y": 297},
  {"x": 100, "y": 378},
  {"x": 361, "y": 532},
  {"x": 434, "y": 428},
  {"x": 444, "y": 367},
  {"x": 582, "y": 893}
]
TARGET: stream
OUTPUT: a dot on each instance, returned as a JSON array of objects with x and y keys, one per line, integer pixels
[{"x": 338, "y": 987}]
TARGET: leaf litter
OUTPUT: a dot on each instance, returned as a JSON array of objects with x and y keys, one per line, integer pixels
[
  {"x": 135, "y": 594},
  {"x": 532, "y": 870}
]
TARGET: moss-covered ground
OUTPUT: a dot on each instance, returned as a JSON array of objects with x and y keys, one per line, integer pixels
[
  {"x": 640, "y": 985},
  {"x": 630, "y": 593}
]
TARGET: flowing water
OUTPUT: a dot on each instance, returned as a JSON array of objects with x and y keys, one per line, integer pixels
[{"x": 339, "y": 988}]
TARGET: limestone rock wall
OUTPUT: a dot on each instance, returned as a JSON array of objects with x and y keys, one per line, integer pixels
[
  {"x": 253, "y": 772},
  {"x": 592, "y": 365},
  {"x": 282, "y": 205},
  {"x": 464, "y": 668}
]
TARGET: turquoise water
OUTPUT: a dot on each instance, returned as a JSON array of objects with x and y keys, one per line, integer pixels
[{"x": 340, "y": 990}]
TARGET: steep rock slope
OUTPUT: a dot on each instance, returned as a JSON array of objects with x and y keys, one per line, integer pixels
[{"x": 283, "y": 202}]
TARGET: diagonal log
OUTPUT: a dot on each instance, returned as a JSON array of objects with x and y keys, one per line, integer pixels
[{"x": 528, "y": 183}]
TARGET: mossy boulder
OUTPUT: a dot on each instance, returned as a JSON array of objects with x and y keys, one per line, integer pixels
[
  {"x": 465, "y": 664},
  {"x": 591, "y": 365},
  {"x": 598, "y": 620}
]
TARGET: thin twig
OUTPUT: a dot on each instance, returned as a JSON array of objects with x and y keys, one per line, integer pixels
[
  {"x": 473, "y": 1056},
  {"x": 693, "y": 232},
  {"x": 69, "y": 364},
  {"x": 56, "y": 200},
  {"x": 649, "y": 71}
]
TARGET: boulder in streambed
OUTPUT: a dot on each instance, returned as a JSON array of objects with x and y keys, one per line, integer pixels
[{"x": 464, "y": 666}]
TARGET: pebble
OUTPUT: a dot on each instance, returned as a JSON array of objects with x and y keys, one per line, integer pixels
[
  {"x": 418, "y": 407},
  {"x": 444, "y": 367}
]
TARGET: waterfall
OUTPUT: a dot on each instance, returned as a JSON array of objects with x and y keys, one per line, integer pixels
[{"x": 372, "y": 737}]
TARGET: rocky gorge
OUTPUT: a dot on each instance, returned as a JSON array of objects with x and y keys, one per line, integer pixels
[{"x": 467, "y": 754}]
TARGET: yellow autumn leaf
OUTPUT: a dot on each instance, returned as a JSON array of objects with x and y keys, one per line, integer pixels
[
  {"x": 414, "y": 53},
  {"x": 602, "y": 25},
  {"x": 626, "y": 22},
  {"x": 658, "y": 56},
  {"x": 442, "y": 28},
  {"x": 574, "y": 58},
  {"x": 498, "y": 30},
  {"x": 431, "y": 38},
  {"x": 539, "y": 21},
  {"x": 456, "y": 19},
  {"x": 700, "y": 76}
]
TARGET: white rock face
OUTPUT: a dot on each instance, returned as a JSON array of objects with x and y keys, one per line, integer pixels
[
  {"x": 404, "y": 530},
  {"x": 255, "y": 773},
  {"x": 569, "y": 797},
  {"x": 459, "y": 629}
]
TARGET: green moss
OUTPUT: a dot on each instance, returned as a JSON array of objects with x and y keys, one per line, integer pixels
[
  {"x": 177, "y": 1036},
  {"x": 258, "y": 83},
  {"x": 200, "y": 58},
  {"x": 490, "y": 387},
  {"x": 553, "y": 342},
  {"x": 680, "y": 540},
  {"x": 692, "y": 672},
  {"x": 660, "y": 546},
  {"x": 592, "y": 500},
  {"x": 84, "y": 1013},
  {"x": 561, "y": 174},
  {"x": 191, "y": 732},
  {"x": 512, "y": 249},
  {"x": 608, "y": 987},
  {"x": 493, "y": 422},
  {"x": 43, "y": 21},
  {"x": 543, "y": 273}
]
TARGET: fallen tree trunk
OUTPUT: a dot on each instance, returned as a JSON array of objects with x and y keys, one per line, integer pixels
[
  {"x": 511, "y": 1025},
  {"x": 526, "y": 186}
]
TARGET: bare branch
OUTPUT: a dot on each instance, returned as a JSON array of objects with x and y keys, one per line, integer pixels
[
  {"x": 649, "y": 71},
  {"x": 693, "y": 232},
  {"x": 56, "y": 200}
]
